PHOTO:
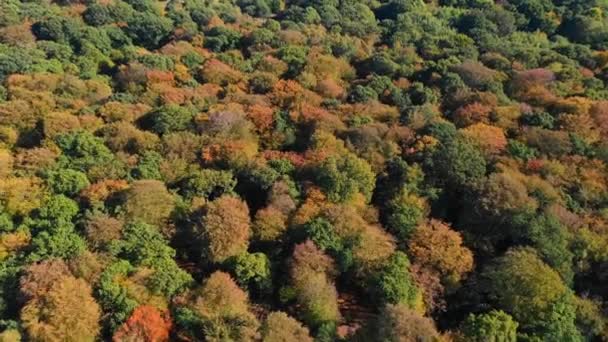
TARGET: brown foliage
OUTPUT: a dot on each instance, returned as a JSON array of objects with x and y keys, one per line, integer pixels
[
  {"x": 119, "y": 111},
  {"x": 219, "y": 302},
  {"x": 279, "y": 327},
  {"x": 225, "y": 228},
  {"x": 269, "y": 224},
  {"x": 99, "y": 192},
  {"x": 216, "y": 72},
  {"x": 102, "y": 229},
  {"x": 40, "y": 278},
  {"x": 432, "y": 290},
  {"x": 398, "y": 323},
  {"x": 123, "y": 136},
  {"x": 308, "y": 260},
  {"x": 436, "y": 246},
  {"x": 472, "y": 113},
  {"x": 66, "y": 312}
]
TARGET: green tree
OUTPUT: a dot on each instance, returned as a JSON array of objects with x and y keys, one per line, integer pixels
[
  {"x": 148, "y": 29},
  {"x": 494, "y": 326},
  {"x": 67, "y": 181},
  {"x": 344, "y": 176},
  {"x": 171, "y": 118},
  {"x": 534, "y": 294},
  {"x": 394, "y": 284},
  {"x": 221, "y": 38},
  {"x": 252, "y": 269},
  {"x": 458, "y": 163}
]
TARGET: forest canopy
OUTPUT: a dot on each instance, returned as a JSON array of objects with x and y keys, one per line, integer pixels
[{"x": 303, "y": 170}]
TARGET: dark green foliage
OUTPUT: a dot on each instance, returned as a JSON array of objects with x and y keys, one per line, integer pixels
[
  {"x": 113, "y": 297},
  {"x": 82, "y": 151},
  {"x": 171, "y": 118},
  {"x": 148, "y": 29},
  {"x": 458, "y": 163},
  {"x": 143, "y": 245},
  {"x": 295, "y": 57},
  {"x": 221, "y": 38}
]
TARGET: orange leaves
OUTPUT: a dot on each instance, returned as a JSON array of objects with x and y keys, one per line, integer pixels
[
  {"x": 146, "y": 324},
  {"x": 490, "y": 139},
  {"x": 101, "y": 190},
  {"x": 262, "y": 117},
  {"x": 287, "y": 93}
]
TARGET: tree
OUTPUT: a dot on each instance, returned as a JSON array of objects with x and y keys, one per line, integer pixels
[
  {"x": 344, "y": 176},
  {"x": 67, "y": 181},
  {"x": 59, "y": 307},
  {"x": 459, "y": 162},
  {"x": 207, "y": 183},
  {"x": 493, "y": 326},
  {"x": 252, "y": 269},
  {"x": 143, "y": 245},
  {"x": 311, "y": 276},
  {"x": 533, "y": 293},
  {"x": 84, "y": 152},
  {"x": 21, "y": 195},
  {"x": 279, "y": 327},
  {"x": 436, "y": 246},
  {"x": 148, "y": 201},
  {"x": 393, "y": 284},
  {"x": 225, "y": 228},
  {"x": 221, "y": 310},
  {"x": 398, "y": 323},
  {"x": 171, "y": 118},
  {"x": 147, "y": 324},
  {"x": 491, "y": 140},
  {"x": 221, "y": 38},
  {"x": 148, "y": 29}
]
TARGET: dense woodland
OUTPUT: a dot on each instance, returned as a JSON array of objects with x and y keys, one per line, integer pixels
[{"x": 303, "y": 170}]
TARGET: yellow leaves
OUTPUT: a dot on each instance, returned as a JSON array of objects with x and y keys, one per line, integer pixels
[
  {"x": 574, "y": 105},
  {"x": 6, "y": 162},
  {"x": 67, "y": 312},
  {"x": 12, "y": 242},
  {"x": 19, "y": 196},
  {"x": 269, "y": 224}
]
